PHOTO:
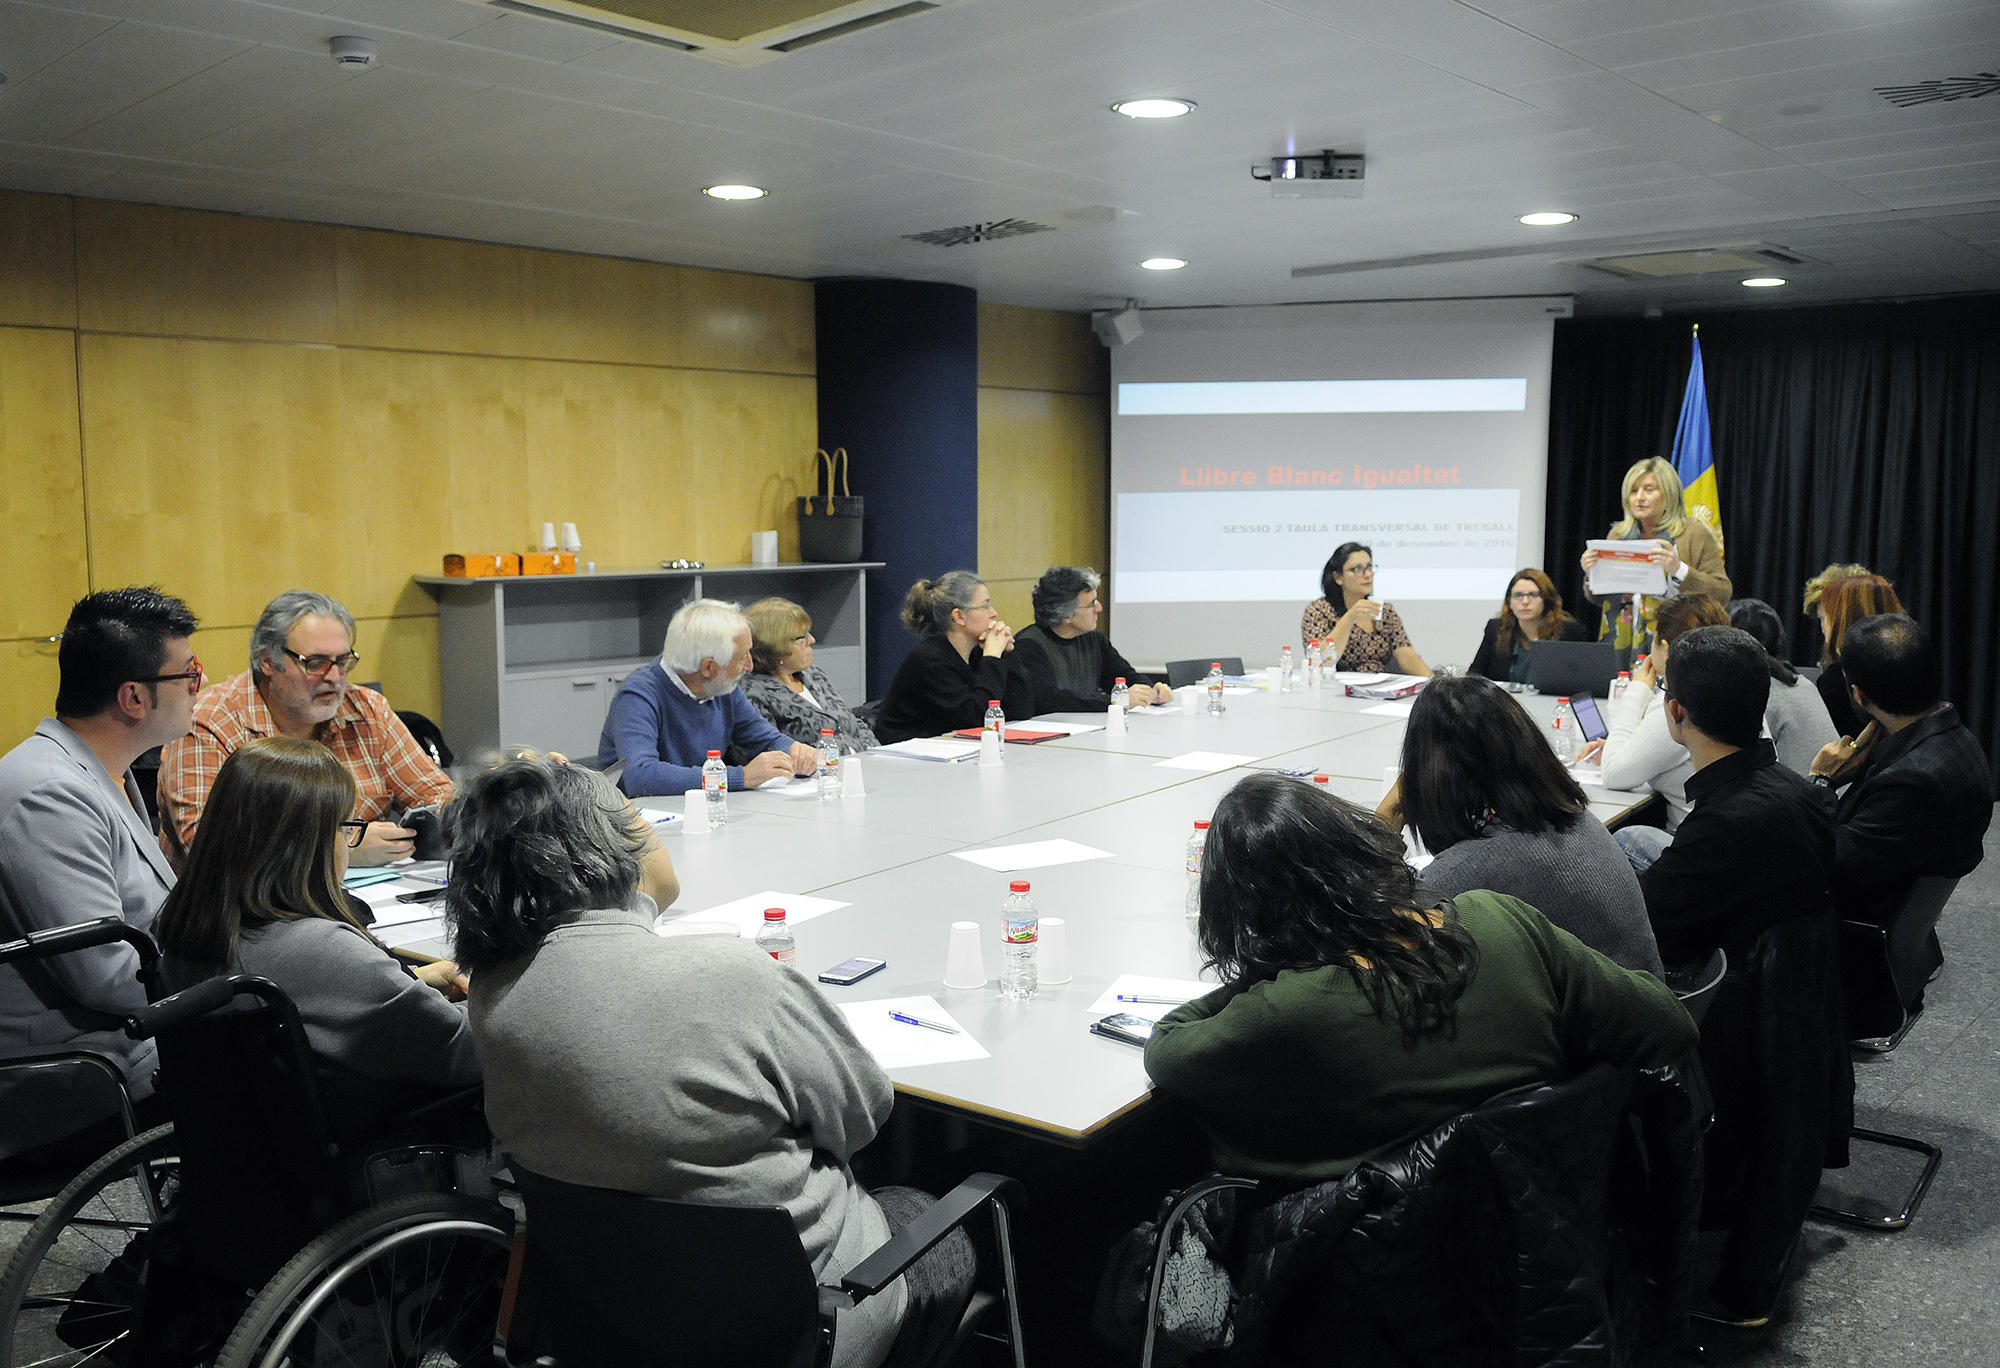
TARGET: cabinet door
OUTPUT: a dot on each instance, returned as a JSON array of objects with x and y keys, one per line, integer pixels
[{"x": 557, "y": 712}]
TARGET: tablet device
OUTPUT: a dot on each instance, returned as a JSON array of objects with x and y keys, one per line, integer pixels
[
  {"x": 1588, "y": 717},
  {"x": 1573, "y": 667}
]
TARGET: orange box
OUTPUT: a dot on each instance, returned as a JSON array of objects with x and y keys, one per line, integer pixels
[
  {"x": 482, "y": 566},
  {"x": 548, "y": 562}
]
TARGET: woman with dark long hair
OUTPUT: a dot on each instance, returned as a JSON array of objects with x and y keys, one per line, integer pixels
[
  {"x": 1796, "y": 716},
  {"x": 261, "y": 894},
  {"x": 1532, "y": 611},
  {"x": 1359, "y": 631},
  {"x": 1359, "y": 1009},
  {"x": 1498, "y": 811}
]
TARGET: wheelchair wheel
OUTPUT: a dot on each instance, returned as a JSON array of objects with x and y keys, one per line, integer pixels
[
  {"x": 413, "y": 1283},
  {"x": 68, "y": 1293}
]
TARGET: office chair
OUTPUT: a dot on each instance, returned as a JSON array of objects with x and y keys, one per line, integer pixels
[{"x": 1181, "y": 673}]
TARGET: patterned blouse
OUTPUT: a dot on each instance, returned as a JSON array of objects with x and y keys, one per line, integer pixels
[
  {"x": 1368, "y": 651},
  {"x": 791, "y": 714}
]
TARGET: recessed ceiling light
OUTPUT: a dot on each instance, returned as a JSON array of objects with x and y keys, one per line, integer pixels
[
  {"x": 1153, "y": 109},
  {"x": 1764, "y": 282},
  {"x": 1163, "y": 263},
  {"x": 734, "y": 192},
  {"x": 1549, "y": 219}
]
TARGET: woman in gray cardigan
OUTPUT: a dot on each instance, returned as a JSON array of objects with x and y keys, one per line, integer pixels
[
  {"x": 1796, "y": 717},
  {"x": 1488, "y": 798},
  {"x": 788, "y": 688}
]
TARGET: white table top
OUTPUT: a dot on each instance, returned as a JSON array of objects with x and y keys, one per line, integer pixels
[{"x": 888, "y": 854}]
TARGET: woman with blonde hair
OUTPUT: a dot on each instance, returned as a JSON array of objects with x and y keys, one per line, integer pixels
[
  {"x": 1842, "y": 603},
  {"x": 1685, "y": 547},
  {"x": 962, "y": 662},
  {"x": 788, "y": 688},
  {"x": 1532, "y": 611}
]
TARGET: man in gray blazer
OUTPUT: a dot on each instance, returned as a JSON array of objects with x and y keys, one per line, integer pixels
[{"x": 76, "y": 845}]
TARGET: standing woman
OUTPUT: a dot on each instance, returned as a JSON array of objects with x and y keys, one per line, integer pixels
[
  {"x": 1686, "y": 548},
  {"x": 961, "y": 663},
  {"x": 1842, "y": 603},
  {"x": 1532, "y": 611},
  {"x": 1362, "y": 633}
]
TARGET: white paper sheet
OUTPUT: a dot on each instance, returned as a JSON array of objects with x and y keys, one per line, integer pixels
[
  {"x": 1587, "y": 774},
  {"x": 1066, "y": 728},
  {"x": 929, "y": 748},
  {"x": 1393, "y": 708},
  {"x": 1362, "y": 677},
  {"x": 747, "y": 914},
  {"x": 896, "y": 1045},
  {"x": 411, "y": 933},
  {"x": 1204, "y": 762},
  {"x": 384, "y": 896},
  {"x": 1624, "y": 567},
  {"x": 1180, "y": 990},
  {"x": 1032, "y": 855},
  {"x": 798, "y": 786},
  {"x": 661, "y": 818}
]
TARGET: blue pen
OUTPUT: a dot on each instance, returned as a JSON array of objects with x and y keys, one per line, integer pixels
[
  {"x": 909, "y": 1020},
  {"x": 1140, "y": 997}
]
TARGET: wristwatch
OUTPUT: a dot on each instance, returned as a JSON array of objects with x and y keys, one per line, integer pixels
[{"x": 1823, "y": 780}]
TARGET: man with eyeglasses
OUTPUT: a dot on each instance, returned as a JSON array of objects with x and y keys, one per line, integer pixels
[
  {"x": 1070, "y": 665},
  {"x": 76, "y": 845},
  {"x": 301, "y": 683}
]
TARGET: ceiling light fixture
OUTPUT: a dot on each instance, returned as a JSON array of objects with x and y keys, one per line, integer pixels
[
  {"x": 1162, "y": 263},
  {"x": 1764, "y": 282},
  {"x": 1551, "y": 218},
  {"x": 734, "y": 192},
  {"x": 1153, "y": 108}
]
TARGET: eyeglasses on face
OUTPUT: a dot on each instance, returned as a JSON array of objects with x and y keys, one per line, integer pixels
[
  {"x": 320, "y": 664},
  {"x": 192, "y": 674},
  {"x": 353, "y": 831},
  {"x": 1361, "y": 569},
  {"x": 1529, "y": 596}
]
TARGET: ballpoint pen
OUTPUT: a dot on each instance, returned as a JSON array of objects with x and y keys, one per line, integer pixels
[
  {"x": 909, "y": 1020},
  {"x": 1141, "y": 997}
]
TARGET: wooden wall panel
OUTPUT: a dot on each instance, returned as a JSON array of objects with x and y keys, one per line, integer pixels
[
  {"x": 37, "y": 266},
  {"x": 1042, "y": 471},
  {"x": 27, "y": 688},
  {"x": 41, "y": 481},
  {"x": 1040, "y": 349}
]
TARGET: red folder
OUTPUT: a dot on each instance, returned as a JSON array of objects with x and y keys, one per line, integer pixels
[{"x": 1016, "y": 736}]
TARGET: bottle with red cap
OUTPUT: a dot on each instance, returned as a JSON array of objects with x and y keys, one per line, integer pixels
[
  {"x": 993, "y": 733},
  {"x": 828, "y": 771},
  {"x": 1020, "y": 928},
  {"x": 1216, "y": 684},
  {"x": 775, "y": 939},
  {"x": 715, "y": 788},
  {"x": 1195, "y": 845}
]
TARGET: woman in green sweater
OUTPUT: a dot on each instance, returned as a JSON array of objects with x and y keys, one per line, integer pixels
[{"x": 1358, "y": 1010}]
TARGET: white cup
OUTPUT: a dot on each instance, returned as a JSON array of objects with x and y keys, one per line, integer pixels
[
  {"x": 1114, "y": 721},
  {"x": 570, "y": 541},
  {"x": 1191, "y": 698},
  {"x": 850, "y": 777},
  {"x": 1052, "y": 959},
  {"x": 989, "y": 748},
  {"x": 964, "y": 966},
  {"x": 548, "y": 537},
  {"x": 1274, "y": 677},
  {"x": 763, "y": 548},
  {"x": 697, "y": 810}
]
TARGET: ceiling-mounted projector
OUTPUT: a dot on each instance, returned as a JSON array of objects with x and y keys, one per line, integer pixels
[
  {"x": 1117, "y": 328},
  {"x": 1316, "y": 175}
]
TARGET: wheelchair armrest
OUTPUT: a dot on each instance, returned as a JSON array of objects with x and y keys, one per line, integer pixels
[
  {"x": 917, "y": 1238},
  {"x": 207, "y": 996},
  {"x": 61, "y": 940}
]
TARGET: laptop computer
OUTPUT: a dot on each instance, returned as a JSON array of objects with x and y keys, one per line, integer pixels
[{"x": 1573, "y": 667}]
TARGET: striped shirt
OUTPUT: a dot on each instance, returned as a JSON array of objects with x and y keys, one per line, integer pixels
[{"x": 390, "y": 770}]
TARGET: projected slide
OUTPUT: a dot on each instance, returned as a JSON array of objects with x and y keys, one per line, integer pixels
[{"x": 1222, "y": 547}]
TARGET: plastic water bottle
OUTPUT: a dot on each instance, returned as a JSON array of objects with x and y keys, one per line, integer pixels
[
  {"x": 996, "y": 718},
  {"x": 1323, "y": 782},
  {"x": 1215, "y": 684},
  {"x": 1285, "y": 670},
  {"x": 1563, "y": 731},
  {"x": 1194, "y": 848},
  {"x": 828, "y": 770},
  {"x": 715, "y": 788},
  {"x": 1121, "y": 694},
  {"x": 1620, "y": 685},
  {"x": 1020, "y": 925},
  {"x": 1312, "y": 662},
  {"x": 775, "y": 939}
]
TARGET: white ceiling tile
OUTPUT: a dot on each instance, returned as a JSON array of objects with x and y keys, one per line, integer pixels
[
  {"x": 31, "y": 37},
  {"x": 239, "y": 90},
  {"x": 528, "y": 35},
  {"x": 114, "y": 70},
  {"x": 373, "y": 99},
  {"x": 432, "y": 18}
]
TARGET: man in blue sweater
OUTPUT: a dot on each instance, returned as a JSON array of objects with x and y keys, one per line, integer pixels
[{"x": 669, "y": 715}]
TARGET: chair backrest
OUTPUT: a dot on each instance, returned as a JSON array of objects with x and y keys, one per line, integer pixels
[
  {"x": 1181, "y": 673},
  {"x": 1698, "y": 991},
  {"x": 619, "y": 1277},
  {"x": 1911, "y": 958},
  {"x": 1883, "y": 968}
]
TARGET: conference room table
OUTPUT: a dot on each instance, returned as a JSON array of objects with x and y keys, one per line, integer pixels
[{"x": 892, "y": 859}]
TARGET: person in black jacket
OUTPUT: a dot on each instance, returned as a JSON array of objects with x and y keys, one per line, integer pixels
[
  {"x": 1750, "y": 871},
  {"x": 1070, "y": 665},
  {"x": 1532, "y": 611},
  {"x": 1919, "y": 795},
  {"x": 960, "y": 665}
]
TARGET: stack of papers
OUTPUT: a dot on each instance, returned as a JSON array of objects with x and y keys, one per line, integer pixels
[
  {"x": 1390, "y": 686},
  {"x": 930, "y": 748}
]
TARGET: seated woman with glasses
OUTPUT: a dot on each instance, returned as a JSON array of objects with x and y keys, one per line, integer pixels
[
  {"x": 1361, "y": 633},
  {"x": 792, "y": 692},
  {"x": 1533, "y": 611},
  {"x": 963, "y": 661},
  {"x": 261, "y": 894},
  {"x": 694, "y": 1067},
  {"x": 1359, "y": 1009}
]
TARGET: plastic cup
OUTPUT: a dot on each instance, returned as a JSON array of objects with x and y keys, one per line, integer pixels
[
  {"x": 697, "y": 810},
  {"x": 1191, "y": 698},
  {"x": 850, "y": 777},
  {"x": 570, "y": 541},
  {"x": 1114, "y": 721},
  {"x": 1274, "y": 677},
  {"x": 964, "y": 965},
  {"x": 989, "y": 748},
  {"x": 1052, "y": 958}
]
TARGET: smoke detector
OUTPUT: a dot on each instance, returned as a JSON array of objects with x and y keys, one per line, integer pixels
[{"x": 352, "y": 51}]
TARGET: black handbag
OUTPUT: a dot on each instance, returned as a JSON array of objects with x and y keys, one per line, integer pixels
[{"x": 830, "y": 528}]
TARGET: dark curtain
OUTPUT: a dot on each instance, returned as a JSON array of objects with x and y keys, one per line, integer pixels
[{"x": 1867, "y": 432}]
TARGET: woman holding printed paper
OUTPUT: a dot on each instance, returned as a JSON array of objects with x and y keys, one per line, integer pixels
[
  {"x": 1363, "y": 633},
  {"x": 1686, "y": 550}
]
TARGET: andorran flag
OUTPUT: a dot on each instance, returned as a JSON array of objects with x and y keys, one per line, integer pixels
[{"x": 1694, "y": 454}]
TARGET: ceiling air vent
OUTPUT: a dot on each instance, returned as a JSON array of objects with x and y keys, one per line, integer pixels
[
  {"x": 1942, "y": 91},
  {"x": 979, "y": 232},
  {"x": 1695, "y": 261},
  {"x": 737, "y": 32}
]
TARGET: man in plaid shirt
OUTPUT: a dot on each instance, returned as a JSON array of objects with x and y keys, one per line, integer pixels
[{"x": 300, "y": 683}]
